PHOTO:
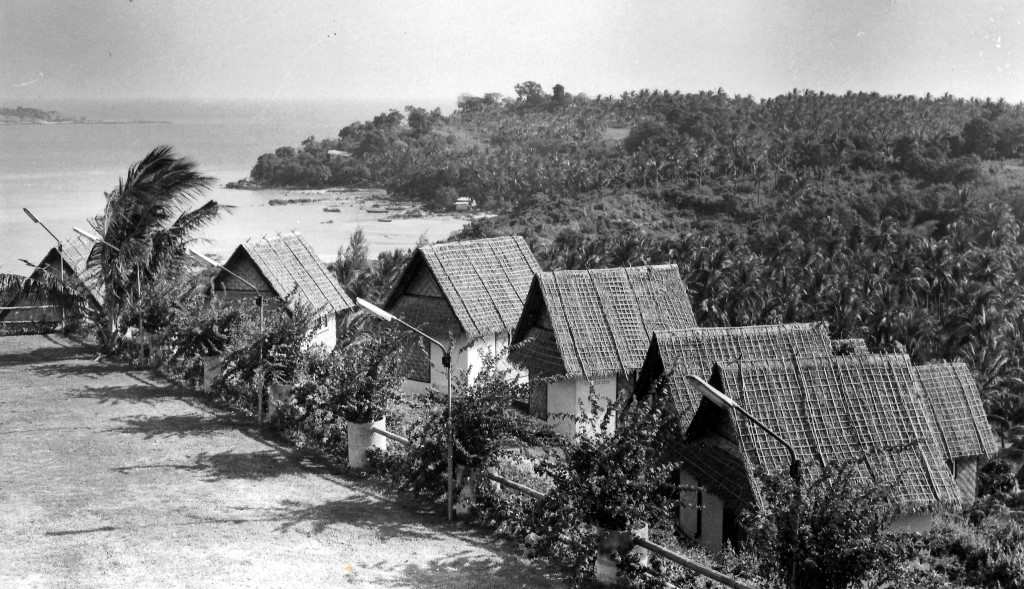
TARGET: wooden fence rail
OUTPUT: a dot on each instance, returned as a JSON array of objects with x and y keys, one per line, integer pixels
[{"x": 642, "y": 542}]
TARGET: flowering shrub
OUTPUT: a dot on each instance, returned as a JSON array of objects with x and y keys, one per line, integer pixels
[
  {"x": 826, "y": 532},
  {"x": 356, "y": 382},
  {"x": 202, "y": 327},
  {"x": 484, "y": 423},
  {"x": 271, "y": 352},
  {"x": 956, "y": 553},
  {"x": 367, "y": 377},
  {"x": 609, "y": 480}
]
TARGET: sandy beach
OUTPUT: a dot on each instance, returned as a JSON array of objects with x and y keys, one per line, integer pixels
[{"x": 326, "y": 217}]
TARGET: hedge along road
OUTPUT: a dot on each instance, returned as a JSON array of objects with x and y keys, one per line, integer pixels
[{"x": 112, "y": 477}]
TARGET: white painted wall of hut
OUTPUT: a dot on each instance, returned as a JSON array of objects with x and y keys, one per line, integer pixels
[
  {"x": 965, "y": 471},
  {"x": 467, "y": 360},
  {"x": 564, "y": 404},
  {"x": 703, "y": 525},
  {"x": 325, "y": 334}
]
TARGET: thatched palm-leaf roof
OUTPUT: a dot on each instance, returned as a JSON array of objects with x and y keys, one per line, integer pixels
[
  {"x": 477, "y": 286},
  {"x": 675, "y": 353},
  {"x": 833, "y": 409},
  {"x": 592, "y": 323},
  {"x": 290, "y": 267},
  {"x": 954, "y": 403}
]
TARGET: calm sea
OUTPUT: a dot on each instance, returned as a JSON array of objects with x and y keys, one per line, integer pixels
[{"x": 60, "y": 172}]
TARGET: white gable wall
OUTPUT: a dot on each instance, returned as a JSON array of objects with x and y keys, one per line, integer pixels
[
  {"x": 325, "y": 334},
  {"x": 467, "y": 359},
  {"x": 569, "y": 400}
]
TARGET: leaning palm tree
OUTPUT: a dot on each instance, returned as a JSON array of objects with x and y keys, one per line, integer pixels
[{"x": 145, "y": 229}]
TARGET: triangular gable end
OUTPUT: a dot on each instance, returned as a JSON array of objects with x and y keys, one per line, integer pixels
[
  {"x": 419, "y": 280},
  {"x": 241, "y": 263},
  {"x": 727, "y": 474},
  {"x": 543, "y": 352}
]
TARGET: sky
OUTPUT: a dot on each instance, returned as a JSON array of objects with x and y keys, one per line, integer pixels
[{"x": 390, "y": 50}]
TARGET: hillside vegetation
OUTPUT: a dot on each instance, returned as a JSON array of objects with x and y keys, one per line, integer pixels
[{"x": 894, "y": 218}]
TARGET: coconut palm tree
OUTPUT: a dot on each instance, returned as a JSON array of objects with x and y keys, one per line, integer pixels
[{"x": 145, "y": 228}]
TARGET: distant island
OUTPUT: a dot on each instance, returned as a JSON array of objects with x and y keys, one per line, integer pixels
[
  {"x": 22, "y": 115},
  {"x": 33, "y": 116}
]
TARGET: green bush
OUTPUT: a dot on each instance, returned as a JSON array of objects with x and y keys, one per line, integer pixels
[
  {"x": 956, "y": 553},
  {"x": 484, "y": 423},
  {"x": 826, "y": 532},
  {"x": 201, "y": 326},
  {"x": 368, "y": 377},
  {"x": 612, "y": 480}
]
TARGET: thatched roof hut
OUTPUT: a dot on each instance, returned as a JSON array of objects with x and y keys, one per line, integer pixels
[
  {"x": 840, "y": 409},
  {"x": 284, "y": 269},
  {"x": 675, "y": 353},
  {"x": 593, "y": 323},
  {"x": 475, "y": 287},
  {"x": 954, "y": 406},
  {"x": 472, "y": 291},
  {"x": 585, "y": 332},
  {"x": 70, "y": 262}
]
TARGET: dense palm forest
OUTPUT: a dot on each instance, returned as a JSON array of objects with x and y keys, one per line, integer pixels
[{"x": 893, "y": 218}]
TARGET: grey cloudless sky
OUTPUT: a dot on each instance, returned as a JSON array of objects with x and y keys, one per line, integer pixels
[{"x": 383, "y": 50}]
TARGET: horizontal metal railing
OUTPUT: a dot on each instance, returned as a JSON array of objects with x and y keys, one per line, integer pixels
[
  {"x": 390, "y": 435},
  {"x": 690, "y": 564},
  {"x": 637, "y": 540}
]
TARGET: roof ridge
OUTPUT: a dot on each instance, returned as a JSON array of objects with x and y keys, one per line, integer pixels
[
  {"x": 508, "y": 277},
  {"x": 309, "y": 273},
  {"x": 636, "y": 298},
  {"x": 296, "y": 287},
  {"x": 967, "y": 401},
  {"x": 816, "y": 445},
  {"x": 921, "y": 447},
  {"x": 497, "y": 310},
  {"x": 455, "y": 291},
  {"x": 249, "y": 248},
  {"x": 605, "y": 313},
  {"x": 569, "y": 329}
]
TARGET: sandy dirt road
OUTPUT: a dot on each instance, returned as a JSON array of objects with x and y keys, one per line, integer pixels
[{"x": 115, "y": 478}]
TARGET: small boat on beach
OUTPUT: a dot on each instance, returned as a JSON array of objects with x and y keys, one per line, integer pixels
[
  {"x": 385, "y": 220},
  {"x": 332, "y": 210},
  {"x": 376, "y": 210}
]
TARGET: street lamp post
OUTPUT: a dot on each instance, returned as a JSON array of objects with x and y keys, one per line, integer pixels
[
  {"x": 259, "y": 305},
  {"x": 446, "y": 361},
  {"x": 722, "y": 400},
  {"x": 60, "y": 254}
]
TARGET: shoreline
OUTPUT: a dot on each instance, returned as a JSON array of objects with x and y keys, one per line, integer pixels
[{"x": 66, "y": 123}]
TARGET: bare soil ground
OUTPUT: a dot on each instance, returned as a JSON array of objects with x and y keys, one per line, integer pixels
[{"x": 115, "y": 478}]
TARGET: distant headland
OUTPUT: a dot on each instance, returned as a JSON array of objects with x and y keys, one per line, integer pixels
[{"x": 22, "y": 115}]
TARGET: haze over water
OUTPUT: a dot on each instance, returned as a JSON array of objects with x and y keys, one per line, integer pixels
[{"x": 61, "y": 172}]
